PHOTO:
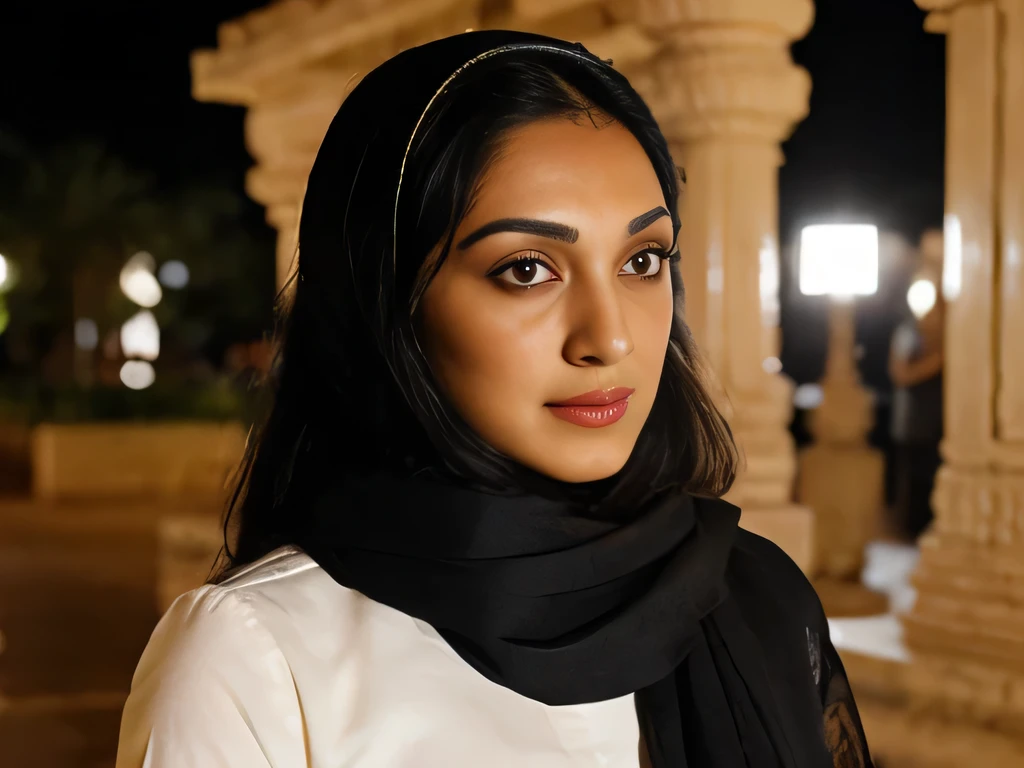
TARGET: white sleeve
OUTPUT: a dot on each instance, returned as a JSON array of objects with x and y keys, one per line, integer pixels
[{"x": 212, "y": 690}]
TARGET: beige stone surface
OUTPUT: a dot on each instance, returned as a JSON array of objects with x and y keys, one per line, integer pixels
[
  {"x": 899, "y": 738},
  {"x": 101, "y": 460},
  {"x": 187, "y": 547},
  {"x": 966, "y": 631},
  {"x": 841, "y": 477},
  {"x": 78, "y": 585},
  {"x": 903, "y": 733}
]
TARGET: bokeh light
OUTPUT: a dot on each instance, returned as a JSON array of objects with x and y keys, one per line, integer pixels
[
  {"x": 173, "y": 274},
  {"x": 138, "y": 282},
  {"x": 137, "y": 374},
  {"x": 87, "y": 335},
  {"x": 921, "y": 297},
  {"x": 140, "y": 336},
  {"x": 839, "y": 260}
]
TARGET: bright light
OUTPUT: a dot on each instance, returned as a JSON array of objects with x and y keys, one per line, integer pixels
[
  {"x": 952, "y": 265},
  {"x": 807, "y": 397},
  {"x": 137, "y": 374},
  {"x": 138, "y": 283},
  {"x": 839, "y": 260},
  {"x": 768, "y": 279},
  {"x": 3, "y": 270},
  {"x": 140, "y": 336},
  {"x": 921, "y": 297},
  {"x": 173, "y": 274},
  {"x": 87, "y": 335}
]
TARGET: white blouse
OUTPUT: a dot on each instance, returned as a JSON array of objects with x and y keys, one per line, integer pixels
[{"x": 281, "y": 667}]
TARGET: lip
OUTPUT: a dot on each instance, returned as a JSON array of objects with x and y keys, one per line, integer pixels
[
  {"x": 598, "y": 397},
  {"x": 600, "y": 408}
]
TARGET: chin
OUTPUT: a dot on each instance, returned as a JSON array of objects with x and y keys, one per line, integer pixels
[{"x": 574, "y": 466}]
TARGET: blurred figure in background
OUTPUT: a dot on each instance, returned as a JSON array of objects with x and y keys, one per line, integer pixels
[{"x": 915, "y": 367}]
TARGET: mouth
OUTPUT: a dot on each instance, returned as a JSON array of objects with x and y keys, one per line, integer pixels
[{"x": 600, "y": 408}]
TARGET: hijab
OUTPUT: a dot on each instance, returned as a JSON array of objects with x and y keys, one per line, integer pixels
[{"x": 538, "y": 594}]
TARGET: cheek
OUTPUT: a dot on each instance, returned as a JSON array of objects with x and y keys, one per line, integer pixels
[
  {"x": 485, "y": 350},
  {"x": 651, "y": 327}
]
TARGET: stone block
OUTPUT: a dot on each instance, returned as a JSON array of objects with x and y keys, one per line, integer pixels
[{"x": 110, "y": 460}]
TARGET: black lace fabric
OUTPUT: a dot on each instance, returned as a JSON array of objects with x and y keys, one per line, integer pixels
[{"x": 844, "y": 733}]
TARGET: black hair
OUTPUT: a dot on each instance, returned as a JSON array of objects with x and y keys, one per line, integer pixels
[{"x": 351, "y": 387}]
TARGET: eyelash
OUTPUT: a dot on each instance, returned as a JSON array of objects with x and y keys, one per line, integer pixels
[{"x": 665, "y": 255}]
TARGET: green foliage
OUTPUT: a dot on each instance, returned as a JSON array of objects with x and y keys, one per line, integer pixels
[
  {"x": 73, "y": 215},
  {"x": 27, "y": 401}
]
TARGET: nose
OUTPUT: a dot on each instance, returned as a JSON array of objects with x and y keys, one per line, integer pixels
[{"x": 598, "y": 330}]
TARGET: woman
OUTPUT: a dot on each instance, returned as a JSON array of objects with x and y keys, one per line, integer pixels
[
  {"x": 915, "y": 368},
  {"x": 480, "y": 526}
]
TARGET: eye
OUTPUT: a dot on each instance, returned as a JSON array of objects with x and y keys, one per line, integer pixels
[
  {"x": 646, "y": 263},
  {"x": 524, "y": 272}
]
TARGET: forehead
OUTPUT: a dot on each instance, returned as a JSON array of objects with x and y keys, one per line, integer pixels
[{"x": 561, "y": 160}]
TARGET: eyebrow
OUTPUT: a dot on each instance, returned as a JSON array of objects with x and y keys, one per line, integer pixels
[
  {"x": 551, "y": 229},
  {"x": 644, "y": 220}
]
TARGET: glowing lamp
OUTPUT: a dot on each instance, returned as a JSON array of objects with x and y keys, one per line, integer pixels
[
  {"x": 140, "y": 336},
  {"x": 839, "y": 260},
  {"x": 137, "y": 374},
  {"x": 921, "y": 297},
  {"x": 138, "y": 282}
]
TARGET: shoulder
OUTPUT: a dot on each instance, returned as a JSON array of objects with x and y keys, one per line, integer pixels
[
  {"x": 218, "y": 666},
  {"x": 763, "y": 556},
  {"x": 762, "y": 574},
  {"x": 255, "y": 608},
  {"x": 224, "y": 625}
]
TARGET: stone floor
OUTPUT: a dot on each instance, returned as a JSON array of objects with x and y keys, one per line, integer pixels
[
  {"x": 77, "y": 605},
  {"x": 887, "y": 571}
]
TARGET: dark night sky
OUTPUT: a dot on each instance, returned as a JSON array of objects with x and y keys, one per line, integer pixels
[{"x": 872, "y": 146}]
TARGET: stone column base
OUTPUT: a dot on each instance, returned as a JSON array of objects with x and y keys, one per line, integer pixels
[
  {"x": 903, "y": 734},
  {"x": 901, "y": 738},
  {"x": 966, "y": 632}
]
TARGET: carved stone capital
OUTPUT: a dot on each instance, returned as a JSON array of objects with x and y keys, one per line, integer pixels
[
  {"x": 283, "y": 183},
  {"x": 726, "y": 70},
  {"x": 938, "y": 19},
  {"x": 262, "y": 46},
  {"x": 296, "y": 128},
  {"x": 753, "y": 93},
  {"x": 946, "y": 5},
  {"x": 789, "y": 20}
]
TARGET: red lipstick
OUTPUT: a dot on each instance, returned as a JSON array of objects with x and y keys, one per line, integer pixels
[{"x": 599, "y": 408}]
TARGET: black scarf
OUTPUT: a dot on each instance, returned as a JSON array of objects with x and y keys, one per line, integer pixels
[{"x": 566, "y": 609}]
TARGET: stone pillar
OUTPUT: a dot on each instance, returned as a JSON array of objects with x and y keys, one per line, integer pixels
[
  {"x": 283, "y": 133},
  {"x": 966, "y": 632},
  {"x": 842, "y": 478},
  {"x": 285, "y": 219},
  {"x": 726, "y": 93}
]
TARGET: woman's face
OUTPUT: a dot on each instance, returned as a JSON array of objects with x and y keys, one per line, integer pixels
[{"x": 548, "y": 323}]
